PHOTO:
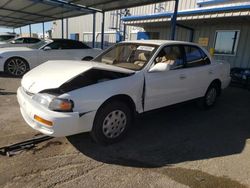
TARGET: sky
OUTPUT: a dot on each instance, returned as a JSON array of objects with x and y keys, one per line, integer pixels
[{"x": 35, "y": 28}]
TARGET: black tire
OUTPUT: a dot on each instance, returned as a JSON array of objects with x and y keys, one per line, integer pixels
[
  {"x": 16, "y": 66},
  {"x": 109, "y": 124},
  {"x": 211, "y": 95},
  {"x": 87, "y": 58}
]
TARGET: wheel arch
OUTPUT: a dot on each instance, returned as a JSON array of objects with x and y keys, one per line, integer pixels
[
  {"x": 217, "y": 82},
  {"x": 122, "y": 98}
]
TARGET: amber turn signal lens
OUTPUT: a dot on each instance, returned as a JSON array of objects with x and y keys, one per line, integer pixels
[{"x": 44, "y": 121}]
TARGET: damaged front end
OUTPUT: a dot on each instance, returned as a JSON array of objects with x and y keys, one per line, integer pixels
[{"x": 90, "y": 77}]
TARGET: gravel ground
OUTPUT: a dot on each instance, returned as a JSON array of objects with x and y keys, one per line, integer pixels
[{"x": 181, "y": 146}]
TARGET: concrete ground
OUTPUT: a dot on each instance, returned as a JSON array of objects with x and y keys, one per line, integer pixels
[{"x": 182, "y": 146}]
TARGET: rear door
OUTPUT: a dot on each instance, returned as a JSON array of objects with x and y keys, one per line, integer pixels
[
  {"x": 77, "y": 50},
  {"x": 200, "y": 72}
]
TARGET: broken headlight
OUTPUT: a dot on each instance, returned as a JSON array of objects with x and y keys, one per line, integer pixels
[
  {"x": 53, "y": 103},
  {"x": 61, "y": 105}
]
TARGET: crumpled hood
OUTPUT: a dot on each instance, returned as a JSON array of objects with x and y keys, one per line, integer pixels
[
  {"x": 13, "y": 49},
  {"x": 53, "y": 74}
]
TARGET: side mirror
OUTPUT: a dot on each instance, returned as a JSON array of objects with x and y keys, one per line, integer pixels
[
  {"x": 160, "y": 67},
  {"x": 46, "y": 48}
]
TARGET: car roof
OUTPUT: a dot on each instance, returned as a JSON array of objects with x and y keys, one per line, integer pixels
[
  {"x": 28, "y": 38},
  {"x": 7, "y": 33},
  {"x": 58, "y": 39},
  {"x": 159, "y": 42}
]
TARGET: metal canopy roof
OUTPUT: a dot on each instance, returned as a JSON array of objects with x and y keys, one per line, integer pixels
[
  {"x": 17, "y": 13},
  {"x": 107, "y": 5}
]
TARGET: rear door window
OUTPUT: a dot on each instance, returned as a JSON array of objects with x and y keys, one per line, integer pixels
[{"x": 195, "y": 57}]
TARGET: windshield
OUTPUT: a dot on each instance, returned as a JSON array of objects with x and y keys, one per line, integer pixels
[
  {"x": 40, "y": 44},
  {"x": 128, "y": 55},
  {"x": 6, "y": 37}
]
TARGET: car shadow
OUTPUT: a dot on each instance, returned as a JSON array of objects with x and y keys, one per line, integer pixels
[
  {"x": 178, "y": 134},
  {"x": 5, "y": 75}
]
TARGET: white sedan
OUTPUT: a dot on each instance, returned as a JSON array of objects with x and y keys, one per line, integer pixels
[
  {"x": 21, "y": 42},
  {"x": 61, "y": 98},
  {"x": 17, "y": 61}
]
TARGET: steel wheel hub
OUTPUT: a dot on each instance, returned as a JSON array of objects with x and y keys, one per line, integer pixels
[
  {"x": 211, "y": 96},
  {"x": 114, "y": 124}
]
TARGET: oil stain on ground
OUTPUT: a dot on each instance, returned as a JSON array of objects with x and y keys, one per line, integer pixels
[{"x": 199, "y": 179}]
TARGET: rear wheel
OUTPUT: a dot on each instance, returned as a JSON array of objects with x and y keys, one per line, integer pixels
[
  {"x": 111, "y": 122},
  {"x": 16, "y": 66},
  {"x": 211, "y": 95}
]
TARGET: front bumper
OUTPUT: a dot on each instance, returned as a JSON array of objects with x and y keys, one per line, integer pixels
[
  {"x": 2, "y": 61},
  {"x": 64, "y": 123}
]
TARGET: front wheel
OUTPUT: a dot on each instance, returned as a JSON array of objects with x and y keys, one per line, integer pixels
[
  {"x": 111, "y": 123},
  {"x": 16, "y": 66}
]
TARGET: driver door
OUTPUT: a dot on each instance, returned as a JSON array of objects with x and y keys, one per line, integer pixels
[{"x": 168, "y": 87}]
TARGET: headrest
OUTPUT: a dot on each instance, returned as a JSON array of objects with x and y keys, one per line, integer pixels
[{"x": 142, "y": 57}]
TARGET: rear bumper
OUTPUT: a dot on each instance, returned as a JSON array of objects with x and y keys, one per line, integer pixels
[
  {"x": 64, "y": 124},
  {"x": 225, "y": 83}
]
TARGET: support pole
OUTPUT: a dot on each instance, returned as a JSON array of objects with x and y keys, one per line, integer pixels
[
  {"x": 173, "y": 20},
  {"x": 124, "y": 32},
  {"x": 102, "y": 34},
  {"x": 13, "y": 30},
  {"x": 93, "y": 34},
  {"x": 43, "y": 31},
  {"x": 30, "y": 29},
  {"x": 62, "y": 29},
  {"x": 20, "y": 31},
  {"x": 67, "y": 28}
]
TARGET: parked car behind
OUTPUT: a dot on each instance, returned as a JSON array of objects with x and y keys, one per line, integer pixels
[
  {"x": 61, "y": 98},
  {"x": 6, "y": 37},
  {"x": 17, "y": 61},
  {"x": 21, "y": 42}
]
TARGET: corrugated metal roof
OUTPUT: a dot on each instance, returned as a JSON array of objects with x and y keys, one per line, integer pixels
[
  {"x": 194, "y": 14},
  {"x": 17, "y": 13}
]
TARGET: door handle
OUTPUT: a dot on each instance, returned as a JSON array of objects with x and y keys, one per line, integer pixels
[{"x": 183, "y": 77}]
